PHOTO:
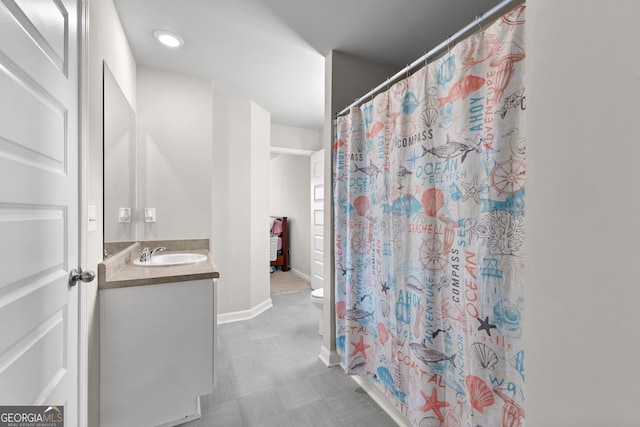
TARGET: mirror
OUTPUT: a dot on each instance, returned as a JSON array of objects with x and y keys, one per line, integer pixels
[{"x": 119, "y": 142}]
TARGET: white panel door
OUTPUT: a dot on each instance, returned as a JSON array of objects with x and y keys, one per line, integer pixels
[
  {"x": 39, "y": 189},
  {"x": 317, "y": 219}
]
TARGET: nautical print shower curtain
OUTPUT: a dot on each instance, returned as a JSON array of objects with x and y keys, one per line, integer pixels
[{"x": 429, "y": 235}]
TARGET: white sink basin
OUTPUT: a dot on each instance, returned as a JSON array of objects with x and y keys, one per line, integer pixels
[{"x": 163, "y": 260}]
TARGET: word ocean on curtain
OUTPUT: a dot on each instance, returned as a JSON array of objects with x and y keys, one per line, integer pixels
[{"x": 429, "y": 235}]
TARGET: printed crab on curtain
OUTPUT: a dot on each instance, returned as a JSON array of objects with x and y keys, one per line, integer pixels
[{"x": 429, "y": 232}]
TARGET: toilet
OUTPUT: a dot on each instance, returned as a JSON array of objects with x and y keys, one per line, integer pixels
[{"x": 317, "y": 297}]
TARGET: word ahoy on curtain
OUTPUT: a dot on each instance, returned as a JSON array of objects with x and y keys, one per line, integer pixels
[{"x": 429, "y": 182}]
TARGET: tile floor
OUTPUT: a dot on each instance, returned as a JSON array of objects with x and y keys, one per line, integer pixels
[{"x": 269, "y": 374}]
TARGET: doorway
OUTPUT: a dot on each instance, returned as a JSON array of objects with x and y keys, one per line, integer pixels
[{"x": 289, "y": 197}]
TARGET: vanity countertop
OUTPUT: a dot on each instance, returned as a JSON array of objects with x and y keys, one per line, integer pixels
[{"x": 119, "y": 272}]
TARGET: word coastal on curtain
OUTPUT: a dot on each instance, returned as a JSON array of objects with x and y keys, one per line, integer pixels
[{"x": 429, "y": 231}]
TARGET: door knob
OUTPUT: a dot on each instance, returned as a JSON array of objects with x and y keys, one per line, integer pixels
[{"x": 78, "y": 275}]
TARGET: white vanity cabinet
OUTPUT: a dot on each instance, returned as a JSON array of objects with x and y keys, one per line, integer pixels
[{"x": 156, "y": 351}]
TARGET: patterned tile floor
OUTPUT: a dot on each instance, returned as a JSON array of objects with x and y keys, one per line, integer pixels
[{"x": 268, "y": 374}]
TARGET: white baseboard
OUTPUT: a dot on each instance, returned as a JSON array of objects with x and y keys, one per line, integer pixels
[
  {"x": 382, "y": 400},
  {"x": 301, "y": 274},
  {"x": 237, "y": 316},
  {"x": 185, "y": 420},
  {"x": 328, "y": 357}
]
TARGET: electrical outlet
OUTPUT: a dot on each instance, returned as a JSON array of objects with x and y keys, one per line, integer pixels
[
  {"x": 124, "y": 215},
  {"x": 149, "y": 214}
]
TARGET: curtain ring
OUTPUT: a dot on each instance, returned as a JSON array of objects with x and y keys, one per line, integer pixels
[
  {"x": 388, "y": 83},
  {"x": 478, "y": 18},
  {"x": 407, "y": 69},
  {"x": 448, "y": 44}
]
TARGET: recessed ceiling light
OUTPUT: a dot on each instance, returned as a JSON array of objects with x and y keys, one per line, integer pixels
[{"x": 168, "y": 38}]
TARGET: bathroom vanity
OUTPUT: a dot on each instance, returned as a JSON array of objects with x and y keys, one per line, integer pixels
[{"x": 157, "y": 337}]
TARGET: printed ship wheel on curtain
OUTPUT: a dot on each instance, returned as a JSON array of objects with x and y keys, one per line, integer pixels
[
  {"x": 508, "y": 176},
  {"x": 433, "y": 255},
  {"x": 360, "y": 243}
]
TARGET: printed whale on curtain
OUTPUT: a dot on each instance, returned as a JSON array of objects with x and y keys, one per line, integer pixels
[
  {"x": 429, "y": 219},
  {"x": 452, "y": 149},
  {"x": 428, "y": 355},
  {"x": 356, "y": 314}
]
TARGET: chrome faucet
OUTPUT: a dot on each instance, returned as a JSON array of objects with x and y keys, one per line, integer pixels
[
  {"x": 156, "y": 250},
  {"x": 145, "y": 256}
]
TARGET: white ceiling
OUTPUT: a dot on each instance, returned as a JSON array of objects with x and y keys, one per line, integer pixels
[{"x": 272, "y": 51}]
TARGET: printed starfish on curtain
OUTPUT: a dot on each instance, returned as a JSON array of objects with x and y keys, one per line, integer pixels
[
  {"x": 485, "y": 325},
  {"x": 415, "y": 156},
  {"x": 473, "y": 189},
  {"x": 359, "y": 347},
  {"x": 431, "y": 403},
  {"x": 385, "y": 288}
]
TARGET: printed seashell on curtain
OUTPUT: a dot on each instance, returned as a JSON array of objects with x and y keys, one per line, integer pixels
[{"x": 429, "y": 181}]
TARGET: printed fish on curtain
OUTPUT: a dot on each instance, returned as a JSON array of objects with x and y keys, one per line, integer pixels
[{"x": 429, "y": 235}]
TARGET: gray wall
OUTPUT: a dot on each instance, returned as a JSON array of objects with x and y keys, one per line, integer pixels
[
  {"x": 581, "y": 332},
  {"x": 107, "y": 42},
  {"x": 240, "y": 220},
  {"x": 174, "y": 154},
  {"x": 295, "y": 137}
]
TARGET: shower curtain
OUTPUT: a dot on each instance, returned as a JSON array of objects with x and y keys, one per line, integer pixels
[{"x": 429, "y": 235}]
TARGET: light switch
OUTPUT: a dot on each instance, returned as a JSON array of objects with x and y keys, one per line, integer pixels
[
  {"x": 149, "y": 214},
  {"x": 124, "y": 215},
  {"x": 91, "y": 215}
]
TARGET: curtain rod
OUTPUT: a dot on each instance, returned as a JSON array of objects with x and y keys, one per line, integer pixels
[{"x": 491, "y": 15}]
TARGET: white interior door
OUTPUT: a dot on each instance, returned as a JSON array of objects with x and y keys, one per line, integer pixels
[
  {"x": 317, "y": 219},
  {"x": 39, "y": 189}
]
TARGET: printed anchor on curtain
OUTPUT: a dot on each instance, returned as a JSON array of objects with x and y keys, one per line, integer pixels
[{"x": 429, "y": 231}]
